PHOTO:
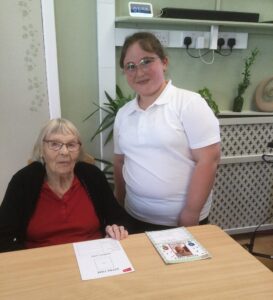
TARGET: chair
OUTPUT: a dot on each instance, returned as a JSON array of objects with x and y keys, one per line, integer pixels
[{"x": 268, "y": 158}]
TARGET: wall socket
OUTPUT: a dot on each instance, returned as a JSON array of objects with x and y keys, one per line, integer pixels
[
  {"x": 197, "y": 36},
  {"x": 175, "y": 38},
  {"x": 163, "y": 36},
  {"x": 240, "y": 39},
  {"x": 199, "y": 39}
]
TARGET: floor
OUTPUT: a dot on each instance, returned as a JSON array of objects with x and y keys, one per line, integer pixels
[{"x": 263, "y": 244}]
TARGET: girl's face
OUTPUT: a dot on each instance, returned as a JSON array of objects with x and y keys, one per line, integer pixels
[{"x": 144, "y": 72}]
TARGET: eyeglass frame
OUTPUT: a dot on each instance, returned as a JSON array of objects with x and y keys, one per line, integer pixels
[
  {"x": 62, "y": 144},
  {"x": 141, "y": 64}
]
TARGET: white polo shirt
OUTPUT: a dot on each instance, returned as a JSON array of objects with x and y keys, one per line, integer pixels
[{"x": 156, "y": 143}]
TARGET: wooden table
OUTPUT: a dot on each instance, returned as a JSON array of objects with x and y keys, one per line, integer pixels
[{"x": 52, "y": 273}]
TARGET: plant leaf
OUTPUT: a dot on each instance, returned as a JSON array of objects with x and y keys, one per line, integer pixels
[
  {"x": 110, "y": 109},
  {"x": 119, "y": 92}
]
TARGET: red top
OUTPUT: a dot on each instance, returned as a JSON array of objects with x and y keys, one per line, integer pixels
[{"x": 71, "y": 218}]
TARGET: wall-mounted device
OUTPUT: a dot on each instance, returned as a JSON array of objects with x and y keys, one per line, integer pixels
[
  {"x": 214, "y": 15},
  {"x": 140, "y": 9}
]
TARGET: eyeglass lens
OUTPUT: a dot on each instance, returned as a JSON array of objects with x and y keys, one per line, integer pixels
[
  {"x": 54, "y": 145},
  {"x": 143, "y": 64}
]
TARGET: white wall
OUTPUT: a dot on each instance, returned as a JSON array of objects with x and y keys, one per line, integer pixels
[{"x": 24, "y": 105}]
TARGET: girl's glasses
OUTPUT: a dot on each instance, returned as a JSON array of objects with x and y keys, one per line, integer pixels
[{"x": 144, "y": 64}]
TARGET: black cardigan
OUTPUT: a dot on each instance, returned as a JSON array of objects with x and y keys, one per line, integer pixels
[{"x": 23, "y": 192}]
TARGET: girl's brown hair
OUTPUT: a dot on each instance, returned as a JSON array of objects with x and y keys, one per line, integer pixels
[{"x": 147, "y": 41}]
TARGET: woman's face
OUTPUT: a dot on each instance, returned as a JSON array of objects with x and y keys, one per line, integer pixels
[
  {"x": 60, "y": 162},
  {"x": 147, "y": 80}
]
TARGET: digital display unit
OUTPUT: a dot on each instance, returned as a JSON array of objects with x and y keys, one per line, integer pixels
[{"x": 140, "y": 9}]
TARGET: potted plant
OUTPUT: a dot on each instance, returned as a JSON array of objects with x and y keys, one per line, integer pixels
[
  {"x": 110, "y": 109},
  {"x": 239, "y": 100},
  {"x": 206, "y": 94}
]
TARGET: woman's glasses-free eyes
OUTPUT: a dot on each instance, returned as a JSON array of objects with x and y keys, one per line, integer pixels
[
  {"x": 56, "y": 146},
  {"x": 144, "y": 64}
]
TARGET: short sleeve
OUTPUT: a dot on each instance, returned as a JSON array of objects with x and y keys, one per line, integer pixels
[{"x": 200, "y": 123}]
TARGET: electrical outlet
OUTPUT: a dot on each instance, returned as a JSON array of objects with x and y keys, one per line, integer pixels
[
  {"x": 163, "y": 37},
  {"x": 122, "y": 33},
  {"x": 240, "y": 39},
  {"x": 175, "y": 38},
  {"x": 196, "y": 37}
]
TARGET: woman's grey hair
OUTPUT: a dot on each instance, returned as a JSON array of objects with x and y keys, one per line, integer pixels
[{"x": 54, "y": 126}]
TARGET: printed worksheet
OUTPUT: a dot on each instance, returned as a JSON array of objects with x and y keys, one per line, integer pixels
[
  {"x": 177, "y": 245},
  {"x": 101, "y": 258}
]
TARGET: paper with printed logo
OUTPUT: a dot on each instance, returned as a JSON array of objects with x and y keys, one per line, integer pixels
[{"x": 101, "y": 258}]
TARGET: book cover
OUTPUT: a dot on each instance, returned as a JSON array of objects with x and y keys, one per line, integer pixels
[{"x": 177, "y": 245}]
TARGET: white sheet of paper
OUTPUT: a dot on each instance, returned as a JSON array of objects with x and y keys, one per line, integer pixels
[{"x": 101, "y": 258}]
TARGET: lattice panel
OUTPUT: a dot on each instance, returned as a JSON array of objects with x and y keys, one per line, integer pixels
[
  {"x": 246, "y": 139},
  {"x": 243, "y": 195},
  {"x": 243, "y": 192}
]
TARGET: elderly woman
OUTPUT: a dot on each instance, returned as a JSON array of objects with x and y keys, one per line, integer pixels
[{"x": 58, "y": 198}]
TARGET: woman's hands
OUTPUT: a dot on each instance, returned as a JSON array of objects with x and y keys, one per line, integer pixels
[{"x": 116, "y": 232}]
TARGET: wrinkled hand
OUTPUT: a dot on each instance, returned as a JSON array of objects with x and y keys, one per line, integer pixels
[{"x": 116, "y": 232}]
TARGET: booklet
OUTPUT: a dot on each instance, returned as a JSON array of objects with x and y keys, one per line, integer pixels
[
  {"x": 101, "y": 258},
  {"x": 177, "y": 245}
]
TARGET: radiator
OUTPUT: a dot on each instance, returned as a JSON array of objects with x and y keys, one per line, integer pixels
[{"x": 243, "y": 189}]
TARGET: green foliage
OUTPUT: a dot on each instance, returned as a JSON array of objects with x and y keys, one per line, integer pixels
[
  {"x": 243, "y": 85},
  {"x": 109, "y": 110},
  {"x": 206, "y": 94}
]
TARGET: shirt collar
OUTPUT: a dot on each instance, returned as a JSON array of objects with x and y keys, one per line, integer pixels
[{"x": 162, "y": 99}]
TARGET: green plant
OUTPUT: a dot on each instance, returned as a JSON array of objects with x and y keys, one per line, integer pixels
[
  {"x": 206, "y": 94},
  {"x": 239, "y": 100},
  {"x": 110, "y": 110}
]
